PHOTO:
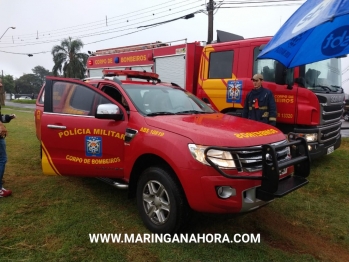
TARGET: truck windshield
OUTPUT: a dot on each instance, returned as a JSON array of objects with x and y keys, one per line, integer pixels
[
  {"x": 323, "y": 76},
  {"x": 154, "y": 100}
]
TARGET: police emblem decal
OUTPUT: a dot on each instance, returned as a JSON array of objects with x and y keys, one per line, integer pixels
[
  {"x": 234, "y": 91},
  {"x": 93, "y": 146}
]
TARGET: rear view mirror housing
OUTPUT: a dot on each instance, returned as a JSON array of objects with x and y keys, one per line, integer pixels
[
  {"x": 109, "y": 111},
  {"x": 300, "y": 81},
  {"x": 280, "y": 73}
]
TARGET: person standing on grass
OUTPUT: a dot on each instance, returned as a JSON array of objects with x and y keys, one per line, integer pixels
[{"x": 3, "y": 155}]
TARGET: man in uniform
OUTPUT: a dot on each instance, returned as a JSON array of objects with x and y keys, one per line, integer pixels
[{"x": 260, "y": 103}]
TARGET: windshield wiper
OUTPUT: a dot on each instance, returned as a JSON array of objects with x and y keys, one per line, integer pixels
[
  {"x": 338, "y": 87},
  {"x": 193, "y": 112},
  {"x": 160, "y": 114},
  {"x": 324, "y": 87}
]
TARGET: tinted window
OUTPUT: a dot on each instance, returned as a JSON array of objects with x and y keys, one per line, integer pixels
[
  {"x": 221, "y": 64},
  {"x": 271, "y": 69},
  {"x": 70, "y": 98},
  {"x": 42, "y": 97},
  {"x": 151, "y": 99},
  {"x": 323, "y": 73},
  {"x": 82, "y": 98}
]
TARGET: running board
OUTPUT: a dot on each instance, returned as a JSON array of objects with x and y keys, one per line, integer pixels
[{"x": 119, "y": 185}]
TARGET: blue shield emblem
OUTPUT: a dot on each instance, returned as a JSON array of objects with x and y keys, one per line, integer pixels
[
  {"x": 93, "y": 145},
  {"x": 234, "y": 91}
]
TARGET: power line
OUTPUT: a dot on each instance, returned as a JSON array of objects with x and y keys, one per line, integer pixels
[
  {"x": 125, "y": 29},
  {"x": 118, "y": 18},
  {"x": 262, "y": 1},
  {"x": 258, "y": 6},
  {"x": 148, "y": 27},
  {"x": 99, "y": 33},
  {"x": 345, "y": 69}
]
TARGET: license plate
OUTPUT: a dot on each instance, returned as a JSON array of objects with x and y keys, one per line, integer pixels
[
  {"x": 282, "y": 171},
  {"x": 330, "y": 150}
]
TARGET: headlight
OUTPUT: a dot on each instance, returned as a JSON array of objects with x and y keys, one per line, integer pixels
[
  {"x": 309, "y": 137},
  {"x": 222, "y": 159}
]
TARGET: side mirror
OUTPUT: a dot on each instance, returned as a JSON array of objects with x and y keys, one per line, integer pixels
[
  {"x": 205, "y": 99},
  {"x": 300, "y": 81},
  {"x": 261, "y": 47},
  {"x": 108, "y": 111},
  {"x": 280, "y": 73}
]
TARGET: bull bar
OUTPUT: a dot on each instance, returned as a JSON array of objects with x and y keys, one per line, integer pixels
[{"x": 272, "y": 186}]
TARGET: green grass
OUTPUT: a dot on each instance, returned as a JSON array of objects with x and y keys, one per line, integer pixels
[
  {"x": 49, "y": 218},
  {"x": 24, "y": 101}
]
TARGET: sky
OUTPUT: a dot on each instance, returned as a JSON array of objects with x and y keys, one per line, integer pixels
[{"x": 101, "y": 24}]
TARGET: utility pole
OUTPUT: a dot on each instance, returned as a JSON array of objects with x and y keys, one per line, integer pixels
[{"x": 210, "y": 9}]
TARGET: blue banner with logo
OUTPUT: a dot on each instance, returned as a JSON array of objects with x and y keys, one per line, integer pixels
[{"x": 318, "y": 30}]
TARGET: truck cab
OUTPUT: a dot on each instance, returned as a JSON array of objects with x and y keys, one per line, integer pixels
[
  {"x": 167, "y": 147},
  {"x": 309, "y": 98}
]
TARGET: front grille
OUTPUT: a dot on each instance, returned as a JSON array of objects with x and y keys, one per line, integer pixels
[
  {"x": 331, "y": 107},
  {"x": 329, "y": 132},
  {"x": 332, "y": 112},
  {"x": 251, "y": 161}
]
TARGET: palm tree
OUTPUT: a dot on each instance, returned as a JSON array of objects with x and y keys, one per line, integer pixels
[{"x": 66, "y": 58}]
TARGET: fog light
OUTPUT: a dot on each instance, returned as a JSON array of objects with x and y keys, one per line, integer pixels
[
  {"x": 225, "y": 192},
  {"x": 309, "y": 148}
]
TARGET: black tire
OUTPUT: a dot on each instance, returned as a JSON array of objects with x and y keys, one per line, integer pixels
[{"x": 170, "y": 208}]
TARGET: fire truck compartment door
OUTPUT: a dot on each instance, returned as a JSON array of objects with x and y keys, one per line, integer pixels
[
  {"x": 142, "y": 68},
  {"x": 98, "y": 72},
  {"x": 171, "y": 69}
]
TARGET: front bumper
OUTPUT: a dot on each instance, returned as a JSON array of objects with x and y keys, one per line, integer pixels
[
  {"x": 319, "y": 150},
  {"x": 251, "y": 189}
]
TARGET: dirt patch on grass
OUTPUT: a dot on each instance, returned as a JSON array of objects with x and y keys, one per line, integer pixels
[{"x": 295, "y": 239}]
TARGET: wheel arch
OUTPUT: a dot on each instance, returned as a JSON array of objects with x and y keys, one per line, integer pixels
[{"x": 142, "y": 163}]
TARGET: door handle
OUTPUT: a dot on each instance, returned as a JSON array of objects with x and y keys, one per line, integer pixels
[{"x": 56, "y": 127}]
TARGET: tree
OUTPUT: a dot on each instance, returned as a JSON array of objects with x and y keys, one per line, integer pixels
[
  {"x": 28, "y": 84},
  {"x": 8, "y": 83},
  {"x": 41, "y": 73},
  {"x": 67, "y": 59}
]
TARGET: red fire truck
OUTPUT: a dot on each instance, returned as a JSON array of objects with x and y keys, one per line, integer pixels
[{"x": 309, "y": 98}]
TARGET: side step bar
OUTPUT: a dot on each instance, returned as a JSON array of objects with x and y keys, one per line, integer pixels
[{"x": 114, "y": 183}]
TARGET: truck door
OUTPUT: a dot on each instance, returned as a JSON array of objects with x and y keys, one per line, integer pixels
[
  {"x": 73, "y": 141},
  {"x": 217, "y": 79},
  {"x": 280, "y": 81}
]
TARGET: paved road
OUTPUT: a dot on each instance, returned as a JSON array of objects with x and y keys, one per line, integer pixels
[
  {"x": 9, "y": 103},
  {"x": 345, "y": 132}
]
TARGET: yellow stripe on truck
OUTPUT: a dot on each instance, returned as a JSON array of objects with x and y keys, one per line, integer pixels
[{"x": 48, "y": 168}]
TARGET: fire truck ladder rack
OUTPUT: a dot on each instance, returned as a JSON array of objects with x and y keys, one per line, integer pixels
[
  {"x": 132, "y": 74},
  {"x": 132, "y": 48}
]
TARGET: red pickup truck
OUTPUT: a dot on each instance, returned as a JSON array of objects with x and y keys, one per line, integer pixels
[{"x": 172, "y": 151}]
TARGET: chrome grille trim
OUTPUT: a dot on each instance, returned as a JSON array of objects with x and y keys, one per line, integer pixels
[{"x": 246, "y": 159}]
